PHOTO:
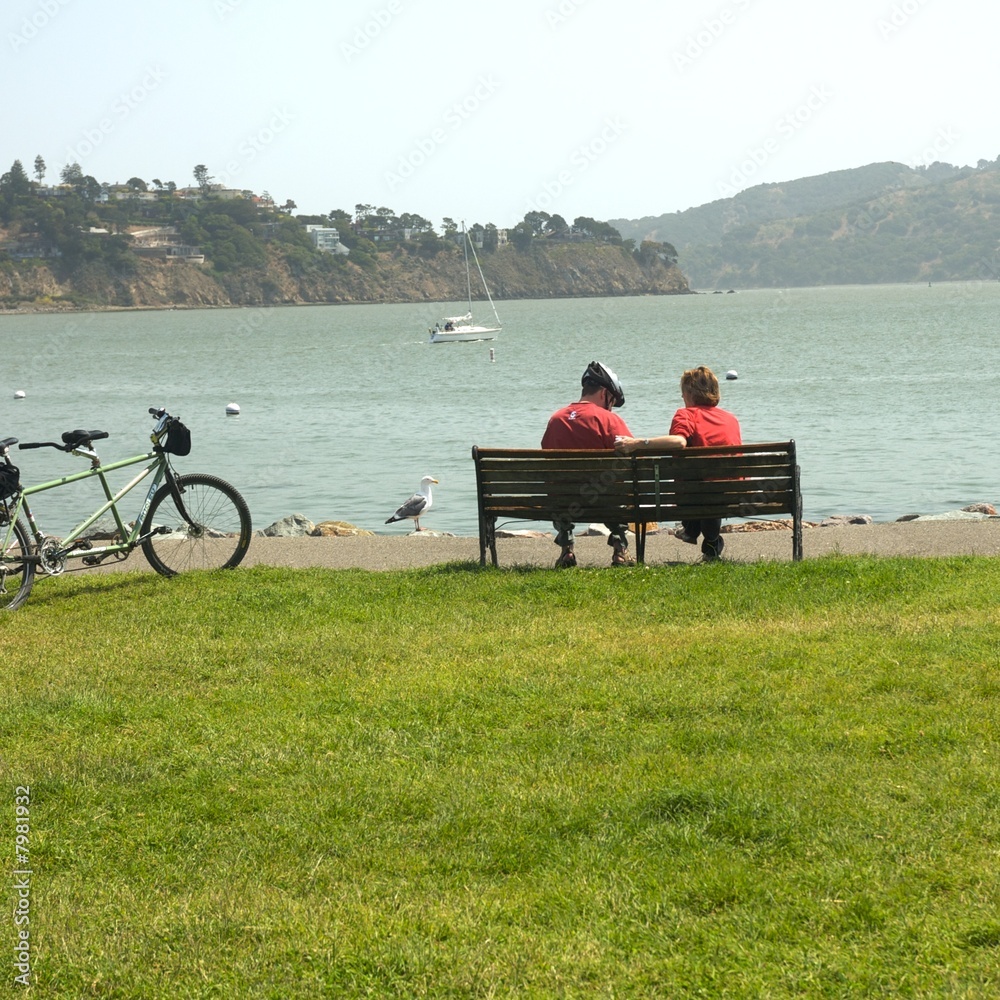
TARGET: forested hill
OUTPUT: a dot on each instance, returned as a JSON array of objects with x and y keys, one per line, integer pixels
[
  {"x": 885, "y": 222},
  {"x": 84, "y": 245}
]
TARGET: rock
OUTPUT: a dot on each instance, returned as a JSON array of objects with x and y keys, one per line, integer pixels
[
  {"x": 955, "y": 515},
  {"x": 293, "y": 526},
  {"x": 981, "y": 508},
  {"x": 837, "y": 520},
  {"x": 907, "y": 517},
  {"x": 522, "y": 533},
  {"x": 338, "y": 529},
  {"x": 778, "y": 524}
]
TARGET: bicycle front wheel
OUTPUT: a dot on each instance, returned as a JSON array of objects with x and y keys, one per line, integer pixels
[
  {"x": 214, "y": 535},
  {"x": 17, "y": 574}
]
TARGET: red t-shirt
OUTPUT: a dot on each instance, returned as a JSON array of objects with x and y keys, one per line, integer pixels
[
  {"x": 583, "y": 425},
  {"x": 706, "y": 425}
]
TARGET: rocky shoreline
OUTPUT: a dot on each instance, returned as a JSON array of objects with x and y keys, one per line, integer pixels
[{"x": 299, "y": 526}]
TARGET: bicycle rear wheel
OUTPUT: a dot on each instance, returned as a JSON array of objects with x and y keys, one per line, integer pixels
[
  {"x": 16, "y": 575},
  {"x": 218, "y": 538}
]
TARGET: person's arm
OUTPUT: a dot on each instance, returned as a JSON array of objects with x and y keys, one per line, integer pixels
[{"x": 665, "y": 442}]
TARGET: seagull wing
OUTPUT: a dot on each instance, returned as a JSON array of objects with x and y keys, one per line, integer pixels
[{"x": 413, "y": 507}]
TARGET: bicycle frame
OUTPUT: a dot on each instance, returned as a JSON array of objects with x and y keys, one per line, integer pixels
[{"x": 74, "y": 545}]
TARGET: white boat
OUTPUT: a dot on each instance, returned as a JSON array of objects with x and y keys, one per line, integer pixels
[{"x": 458, "y": 328}]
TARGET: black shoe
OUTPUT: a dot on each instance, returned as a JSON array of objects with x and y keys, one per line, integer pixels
[{"x": 710, "y": 551}]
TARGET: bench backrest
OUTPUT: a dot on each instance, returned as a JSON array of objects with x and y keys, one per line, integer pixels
[{"x": 749, "y": 480}]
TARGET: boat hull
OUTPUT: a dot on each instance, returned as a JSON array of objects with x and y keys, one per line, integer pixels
[{"x": 461, "y": 333}]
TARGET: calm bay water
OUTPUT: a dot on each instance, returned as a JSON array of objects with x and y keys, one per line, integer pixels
[{"x": 889, "y": 391}]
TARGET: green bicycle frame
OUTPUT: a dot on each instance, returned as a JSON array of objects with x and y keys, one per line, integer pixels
[{"x": 73, "y": 544}]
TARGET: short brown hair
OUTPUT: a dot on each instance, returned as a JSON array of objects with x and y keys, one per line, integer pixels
[{"x": 701, "y": 385}]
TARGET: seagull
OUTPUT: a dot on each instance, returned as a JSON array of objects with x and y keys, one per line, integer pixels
[{"x": 418, "y": 504}]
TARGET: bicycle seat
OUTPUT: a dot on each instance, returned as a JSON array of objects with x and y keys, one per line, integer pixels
[
  {"x": 73, "y": 439},
  {"x": 7, "y": 443}
]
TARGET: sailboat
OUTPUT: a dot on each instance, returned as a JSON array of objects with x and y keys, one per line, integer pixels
[{"x": 455, "y": 328}]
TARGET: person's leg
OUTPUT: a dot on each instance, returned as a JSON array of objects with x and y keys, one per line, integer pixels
[
  {"x": 564, "y": 538},
  {"x": 618, "y": 540},
  {"x": 712, "y": 543},
  {"x": 688, "y": 531}
]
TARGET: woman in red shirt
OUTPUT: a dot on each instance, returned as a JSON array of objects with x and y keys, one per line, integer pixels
[{"x": 700, "y": 422}]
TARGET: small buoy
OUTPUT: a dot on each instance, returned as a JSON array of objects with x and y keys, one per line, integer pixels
[
  {"x": 233, "y": 410},
  {"x": 493, "y": 354},
  {"x": 19, "y": 394},
  {"x": 731, "y": 375}
]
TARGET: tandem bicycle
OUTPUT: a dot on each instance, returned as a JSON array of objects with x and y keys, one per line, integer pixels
[{"x": 190, "y": 521}]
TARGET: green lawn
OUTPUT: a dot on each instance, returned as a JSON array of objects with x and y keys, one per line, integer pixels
[{"x": 770, "y": 780}]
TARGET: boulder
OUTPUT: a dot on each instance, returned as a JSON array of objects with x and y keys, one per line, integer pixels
[
  {"x": 338, "y": 529},
  {"x": 981, "y": 508},
  {"x": 293, "y": 526}
]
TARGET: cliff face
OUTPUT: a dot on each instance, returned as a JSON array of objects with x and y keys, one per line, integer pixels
[{"x": 556, "y": 271}]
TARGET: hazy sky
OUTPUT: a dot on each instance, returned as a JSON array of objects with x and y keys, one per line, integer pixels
[{"x": 484, "y": 111}]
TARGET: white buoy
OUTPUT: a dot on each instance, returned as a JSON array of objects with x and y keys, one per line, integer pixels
[
  {"x": 19, "y": 394},
  {"x": 731, "y": 375},
  {"x": 233, "y": 410}
]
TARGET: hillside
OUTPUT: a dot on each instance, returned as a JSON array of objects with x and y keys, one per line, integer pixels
[
  {"x": 545, "y": 271},
  {"x": 885, "y": 222}
]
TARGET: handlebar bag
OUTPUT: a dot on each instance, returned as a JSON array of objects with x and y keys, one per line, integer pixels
[{"x": 178, "y": 439}]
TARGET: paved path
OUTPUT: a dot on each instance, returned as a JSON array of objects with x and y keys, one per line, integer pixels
[
  {"x": 907, "y": 538},
  {"x": 404, "y": 551}
]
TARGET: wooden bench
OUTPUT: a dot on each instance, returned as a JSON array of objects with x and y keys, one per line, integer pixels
[{"x": 748, "y": 480}]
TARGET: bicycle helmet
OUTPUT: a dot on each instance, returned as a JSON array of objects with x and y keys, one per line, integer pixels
[{"x": 600, "y": 375}]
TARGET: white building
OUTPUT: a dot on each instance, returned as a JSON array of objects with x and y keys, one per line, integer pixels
[{"x": 326, "y": 239}]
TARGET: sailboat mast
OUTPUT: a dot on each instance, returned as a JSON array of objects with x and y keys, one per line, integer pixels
[{"x": 468, "y": 277}]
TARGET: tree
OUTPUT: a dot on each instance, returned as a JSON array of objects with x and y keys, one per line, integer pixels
[
  {"x": 15, "y": 181},
  {"x": 201, "y": 176},
  {"x": 39, "y": 168},
  {"x": 557, "y": 226},
  {"x": 521, "y": 236},
  {"x": 289, "y": 206},
  {"x": 136, "y": 184},
  {"x": 71, "y": 174},
  {"x": 536, "y": 221},
  {"x": 449, "y": 226}
]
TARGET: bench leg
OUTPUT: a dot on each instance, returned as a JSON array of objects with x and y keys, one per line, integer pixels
[
  {"x": 640, "y": 542},
  {"x": 488, "y": 537}
]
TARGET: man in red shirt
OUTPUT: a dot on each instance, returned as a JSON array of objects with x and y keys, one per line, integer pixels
[{"x": 590, "y": 423}]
